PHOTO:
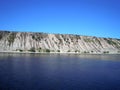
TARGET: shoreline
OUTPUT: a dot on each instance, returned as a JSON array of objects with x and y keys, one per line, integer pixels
[{"x": 16, "y": 52}]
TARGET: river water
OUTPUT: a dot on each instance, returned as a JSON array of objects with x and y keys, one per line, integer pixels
[{"x": 59, "y": 72}]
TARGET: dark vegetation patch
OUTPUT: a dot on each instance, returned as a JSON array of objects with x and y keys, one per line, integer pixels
[
  {"x": 0, "y": 37},
  {"x": 88, "y": 40},
  {"x": 20, "y": 50},
  {"x": 48, "y": 50},
  {"x": 111, "y": 42},
  {"x": 98, "y": 41},
  {"x": 3, "y": 34},
  {"x": 77, "y": 51},
  {"x": 11, "y": 38},
  {"x": 68, "y": 51},
  {"x": 32, "y": 49},
  {"x": 106, "y": 52},
  {"x": 39, "y": 36},
  {"x": 86, "y": 52},
  {"x": 58, "y": 50}
]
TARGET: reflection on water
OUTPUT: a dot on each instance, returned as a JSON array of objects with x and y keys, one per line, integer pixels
[
  {"x": 102, "y": 56},
  {"x": 87, "y": 56},
  {"x": 59, "y": 72}
]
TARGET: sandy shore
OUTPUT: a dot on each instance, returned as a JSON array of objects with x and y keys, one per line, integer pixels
[{"x": 26, "y": 52}]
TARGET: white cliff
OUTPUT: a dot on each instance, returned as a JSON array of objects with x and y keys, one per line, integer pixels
[{"x": 25, "y": 41}]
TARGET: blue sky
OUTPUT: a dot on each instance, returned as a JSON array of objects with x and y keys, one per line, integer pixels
[{"x": 83, "y": 17}]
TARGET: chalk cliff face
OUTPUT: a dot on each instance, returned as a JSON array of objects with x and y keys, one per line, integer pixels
[{"x": 25, "y": 41}]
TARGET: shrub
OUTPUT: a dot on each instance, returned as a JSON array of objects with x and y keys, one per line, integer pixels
[
  {"x": 32, "y": 49},
  {"x": 47, "y": 50},
  {"x": 58, "y": 50},
  {"x": 33, "y": 37},
  {"x": 106, "y": 52},
  {"x": 40, "y": 49},
  {"x": 86, "y": 52},
  {"x": 68, "y": 51},
  {"x": 92, "y": 51},
  {"x": 76, "y": 51},
  {"x": 20, "y": 50}
]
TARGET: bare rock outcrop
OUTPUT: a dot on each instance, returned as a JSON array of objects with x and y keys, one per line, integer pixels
[{"x": 25, "y": 41}]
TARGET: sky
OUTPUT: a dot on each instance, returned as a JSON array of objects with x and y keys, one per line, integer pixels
[{"x": 99, "y": 18}]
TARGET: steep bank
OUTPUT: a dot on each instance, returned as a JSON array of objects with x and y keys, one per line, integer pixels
[{"x": 43, "y": 42}]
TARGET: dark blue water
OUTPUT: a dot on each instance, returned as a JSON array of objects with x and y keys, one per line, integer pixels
[{"x": 59, "y": 72}]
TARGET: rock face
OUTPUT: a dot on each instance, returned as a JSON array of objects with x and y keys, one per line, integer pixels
[{"x": 25, "y": 41}]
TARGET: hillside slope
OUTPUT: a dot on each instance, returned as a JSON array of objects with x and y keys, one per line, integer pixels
[{"x": 40, "y": 42}]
